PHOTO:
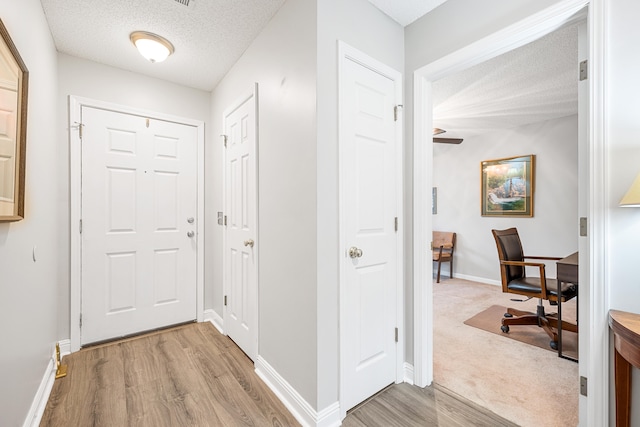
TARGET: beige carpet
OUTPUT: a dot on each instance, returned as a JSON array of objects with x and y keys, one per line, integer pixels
[{"x": 528, "y": 385}]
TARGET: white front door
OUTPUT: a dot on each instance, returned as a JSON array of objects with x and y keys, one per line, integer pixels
[
  {"x": 240, "y": 241},
  {"x": 370, "y": 204},
  {"x": 139, "y": 192}
]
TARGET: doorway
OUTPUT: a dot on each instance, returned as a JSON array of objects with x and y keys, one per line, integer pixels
[{"x": 593, "y": 266}]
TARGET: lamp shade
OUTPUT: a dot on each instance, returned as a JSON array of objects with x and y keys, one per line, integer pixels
[
  {"x": 152, "y": 46},
  {"x": 632, "y": 197}
]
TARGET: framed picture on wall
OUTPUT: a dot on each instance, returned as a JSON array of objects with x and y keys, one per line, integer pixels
[{"x": 507, "y": 186}]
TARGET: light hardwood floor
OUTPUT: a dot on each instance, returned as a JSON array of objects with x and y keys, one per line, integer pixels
[{"x": 193, "y": 376}]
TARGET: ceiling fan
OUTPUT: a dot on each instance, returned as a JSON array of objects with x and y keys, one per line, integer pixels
[{"x": 438, "y": 131}]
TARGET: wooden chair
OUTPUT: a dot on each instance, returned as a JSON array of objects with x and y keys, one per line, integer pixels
[
  {"x": 515, "y": 280},
  {"x": 442, "y": 248}
]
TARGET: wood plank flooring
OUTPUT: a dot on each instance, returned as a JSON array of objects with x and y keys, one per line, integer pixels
[
  {"x": 186, "y": 376},
  {"x": 404, "y": 405},
  {"x": 193, "y": 376}
]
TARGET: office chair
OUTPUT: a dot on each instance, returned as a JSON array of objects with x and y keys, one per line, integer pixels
[{"x": 515, "y": 280}]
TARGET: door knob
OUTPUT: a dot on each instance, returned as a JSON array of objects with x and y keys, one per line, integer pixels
[
  {"x": 190, "y": 234},
  {"x": 249, "y": 243},
  {"x": 355, "y": 252}
]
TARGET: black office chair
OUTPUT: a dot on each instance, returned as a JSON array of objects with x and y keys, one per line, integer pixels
[{"x": 515, "y": 280}]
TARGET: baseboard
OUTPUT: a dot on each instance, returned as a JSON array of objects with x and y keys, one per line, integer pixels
[
  {"x": 65, "y": 347},
  {"x": 211, "y": 316},
  {"x": 408, "y": 373},
  {"x": 301, "y": 410},
  {"x": 34, "y": 416},
  {"x": 476, "y": 279}
]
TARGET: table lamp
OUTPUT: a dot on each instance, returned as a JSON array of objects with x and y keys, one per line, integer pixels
[{"x": 632, "y": 197}]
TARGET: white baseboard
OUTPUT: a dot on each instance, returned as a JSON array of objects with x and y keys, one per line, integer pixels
[
  {"x": 301, "y": 410},
  {"x": 408, "y": 373},
  {"x": 34, "y": 416},
  {"x": 211, "y": 316},
  {"x": 477, "y": 279},
  {"x": 65, "y": 347}
]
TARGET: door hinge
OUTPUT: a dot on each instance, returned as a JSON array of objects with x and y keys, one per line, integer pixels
[
  {"x": 395, "y": 112},
  {"x": 224, "y": 137},
  {"x": 80, "y": 227},
  {"x": 225, "y": 220},
  {"x": 396, "y": 335},
  {"x": 583, "y": 386},
  {"x": 80, "y": 320},
  {"x": 584, "y": 70},
  {"x": 395, "y": 224},
  {"x": 225, "y": 300},
  {"x": 79, "y": 126}
]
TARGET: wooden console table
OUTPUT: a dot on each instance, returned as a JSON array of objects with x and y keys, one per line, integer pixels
[{"x": 626, "y": 332}]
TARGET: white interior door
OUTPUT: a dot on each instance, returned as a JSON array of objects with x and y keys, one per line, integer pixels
[
  {"x": 240, "y": 242},
  {"x": 138, "y": 203},
  {"x": 369, "y": 186}
]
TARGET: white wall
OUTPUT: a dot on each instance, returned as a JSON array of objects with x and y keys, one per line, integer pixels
[
  {"x": 88, "y": 79},
  {"x": 623, "y": 163},
  {"x": 28, "y": 310},
  {"x": 553, "y": 229},
  {"x": 364, "y": 27},
  {"x": 282, "y": 61}
]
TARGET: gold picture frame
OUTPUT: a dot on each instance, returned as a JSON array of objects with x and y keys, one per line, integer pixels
[
  {"x": 507, "y": 186},
  {"x": 14, "y": 79}
]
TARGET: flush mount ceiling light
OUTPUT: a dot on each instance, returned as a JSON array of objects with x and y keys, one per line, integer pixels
[{"x": 152, "y": 46}]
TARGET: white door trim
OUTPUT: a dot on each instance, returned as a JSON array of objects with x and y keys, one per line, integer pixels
[
  {"x": 346, "y": 53},
  {"x": 75, "y": 162},
  {"x": 502, "y": 41},
  {"x": 252, "y": 93}
]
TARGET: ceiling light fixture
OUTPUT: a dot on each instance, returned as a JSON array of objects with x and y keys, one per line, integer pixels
[{"x": 151, "y": 46}]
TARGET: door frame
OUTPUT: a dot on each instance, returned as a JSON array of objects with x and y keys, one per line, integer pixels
[
  {"x": 349, "y": 53},
  {"x": 75, "y": 199},
  {"x": 595, "y": 406},
  {"x": 253, "y": 92}
]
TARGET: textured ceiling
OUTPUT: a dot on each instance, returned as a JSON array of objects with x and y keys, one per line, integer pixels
[
  {"x": 405, "y": 12},
  {"x": 536, "y": 82},
  {"x": 533, "y": 83},
  {"x": 209, "y": 35}
]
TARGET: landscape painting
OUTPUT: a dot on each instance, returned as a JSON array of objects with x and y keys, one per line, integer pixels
[{"x": 507, "y": 186}]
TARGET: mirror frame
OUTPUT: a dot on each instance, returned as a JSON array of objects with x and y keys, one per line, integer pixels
[{"x": 21, "y": 130}]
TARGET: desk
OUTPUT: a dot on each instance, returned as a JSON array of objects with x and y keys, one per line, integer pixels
[
  {"x": 626, "y": 333},
  {"x": 566, "y": 272}
]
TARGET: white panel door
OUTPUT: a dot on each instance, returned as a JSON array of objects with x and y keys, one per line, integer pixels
[
  {"x": 139, "y": 189},
  {"x": 369, "y": 194},
  {"x": 241, "y": 245}
]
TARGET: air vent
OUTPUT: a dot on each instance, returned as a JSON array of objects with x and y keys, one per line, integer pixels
[{"x": 188, "y": 3}]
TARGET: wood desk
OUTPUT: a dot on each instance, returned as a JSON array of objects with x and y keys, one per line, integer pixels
[
  {"x": 626, "y": 333},
  {"x": 566, "y": 272}
]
